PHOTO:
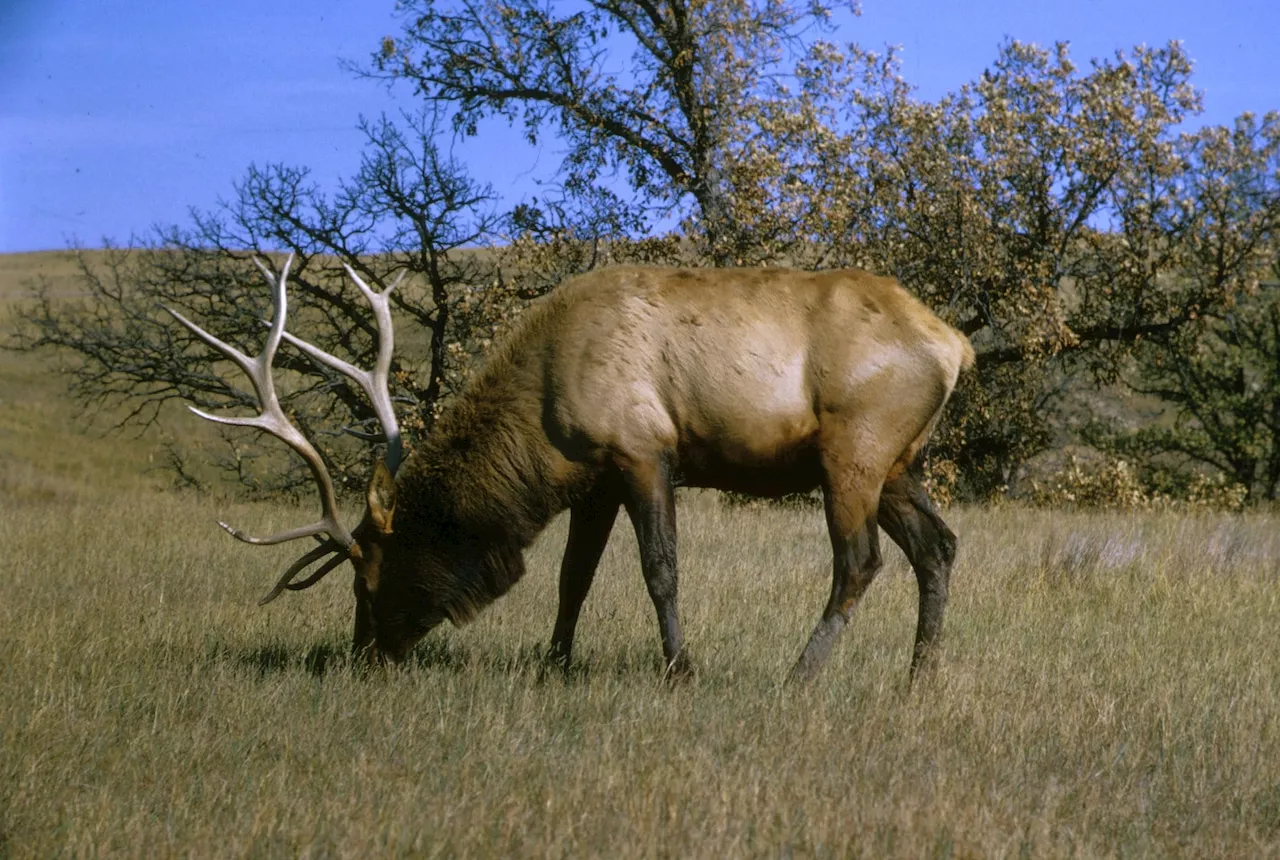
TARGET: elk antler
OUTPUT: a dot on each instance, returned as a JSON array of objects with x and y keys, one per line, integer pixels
[
  {"x": 273, "y": 420},
  {"x": 375, "y": 383}
]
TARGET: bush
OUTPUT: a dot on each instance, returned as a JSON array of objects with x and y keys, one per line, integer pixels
[{"x": 1113, "y": 483}]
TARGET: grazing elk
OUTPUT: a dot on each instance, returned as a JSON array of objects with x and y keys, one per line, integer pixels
[{"x": 611, "y": 391}]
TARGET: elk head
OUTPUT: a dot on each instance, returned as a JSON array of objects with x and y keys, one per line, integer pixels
[{"x": 367, "y": 545}]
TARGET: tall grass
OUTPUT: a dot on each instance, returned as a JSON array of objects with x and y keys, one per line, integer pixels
[{"x": 1109, "y": 686}]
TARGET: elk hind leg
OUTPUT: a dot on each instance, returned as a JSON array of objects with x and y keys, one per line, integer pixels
[
  {"x": 850, "y": 498},
  {"x": 908, "y": 516}
]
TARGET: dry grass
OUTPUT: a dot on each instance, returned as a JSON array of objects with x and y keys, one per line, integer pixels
[{"x": 1110, "y": 686}]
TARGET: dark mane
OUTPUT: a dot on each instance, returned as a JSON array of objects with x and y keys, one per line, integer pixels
[{"x": 486, "y": 477}]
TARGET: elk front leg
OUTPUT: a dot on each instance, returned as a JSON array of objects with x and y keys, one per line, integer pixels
[
  {"x": 590, "y": 522},
  {"x": 908, "y": 516},
  {"x": 650, "y": 501}
]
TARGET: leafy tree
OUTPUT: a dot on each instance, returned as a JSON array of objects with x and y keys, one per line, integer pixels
[
  {"x": 668, "y": 119},
  {"x": 1216, "y": 372},
  {"x": 1221, "y": 379}
]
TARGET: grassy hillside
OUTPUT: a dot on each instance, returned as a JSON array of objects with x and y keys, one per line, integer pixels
[
  {"x": 1110, "y": 686},
  {"x": 49, "y": 449}
]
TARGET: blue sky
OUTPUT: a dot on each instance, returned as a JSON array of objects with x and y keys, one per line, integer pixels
[{"x": 117, "y": 115}]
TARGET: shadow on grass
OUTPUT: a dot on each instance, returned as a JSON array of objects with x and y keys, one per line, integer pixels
[
  {"x": 630, "y": 666},
  {"x": 531, "y": 661},
  {"x": 318, "y": 660},
  {"x": 433, "y": 655}
]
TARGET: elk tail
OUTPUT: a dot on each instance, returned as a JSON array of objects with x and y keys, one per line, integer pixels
[{"x": 967, "y": 358}]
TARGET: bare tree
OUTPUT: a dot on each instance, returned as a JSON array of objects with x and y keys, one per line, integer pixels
[{"x": 409, "y": 210}]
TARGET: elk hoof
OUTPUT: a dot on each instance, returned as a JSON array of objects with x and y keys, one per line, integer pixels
[
  {"x": 679, "y": 670},
  {"x": 555, "y": 662}
]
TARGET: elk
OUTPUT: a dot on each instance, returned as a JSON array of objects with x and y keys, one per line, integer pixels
[{"x": 611, "y": 391}]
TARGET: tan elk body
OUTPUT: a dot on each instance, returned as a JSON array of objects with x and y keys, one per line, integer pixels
[{"x": 624, "y": 383}]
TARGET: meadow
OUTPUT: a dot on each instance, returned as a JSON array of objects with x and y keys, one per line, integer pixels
[{"x": 1109, "y": 685}]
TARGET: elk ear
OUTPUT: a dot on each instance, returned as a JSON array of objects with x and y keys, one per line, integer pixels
[{"x": 382, "y": 497}]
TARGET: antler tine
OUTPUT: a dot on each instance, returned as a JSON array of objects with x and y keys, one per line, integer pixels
[
  {"x": 243, "y": 361},
  {"x": 318, "y": 575},
  {"x": 376, "y": 383},
  {"x": 266, "y": 272},
  {"x": 273, "y": 420},
  {"x": 319, "y": 527},
  {"x": 286, "y": 579}
]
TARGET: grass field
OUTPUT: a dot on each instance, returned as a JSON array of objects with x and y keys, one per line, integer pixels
[{"x": 1110, "y": 685}]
